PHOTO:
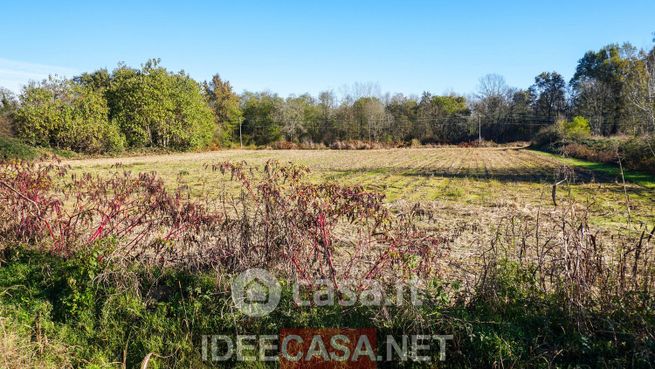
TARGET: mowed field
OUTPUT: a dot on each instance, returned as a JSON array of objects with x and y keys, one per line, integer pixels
[{"x": 464, "y": 183}]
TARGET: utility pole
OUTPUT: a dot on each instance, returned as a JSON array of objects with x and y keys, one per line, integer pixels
[{"x": 479, "y": 130}]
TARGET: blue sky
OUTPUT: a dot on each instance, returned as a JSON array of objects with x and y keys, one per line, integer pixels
[{"x": 289, "y": 47}]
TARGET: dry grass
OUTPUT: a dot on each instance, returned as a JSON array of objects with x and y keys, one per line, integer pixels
[
  {"x": 483, "y": 207},
  {"x": 465, "y": 193},
  {"x": 20, "y": 350},
  {"x": 476, "y": 179}
]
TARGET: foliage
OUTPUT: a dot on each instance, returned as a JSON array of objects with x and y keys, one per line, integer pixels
[
  {"x": 102, "y": 111},
  {"x": 8, "y": 106},
  {"x": 60, "y": 114},
  {"x": 261, "y": 123},
  {"x": 154, "y": 107},
  {"x": 545, "y": 298},
  {"x": 634, "y": 153},
  {"x": 550, "y": 92},
  {"x": 225, "y": 104},
  {"x": 576, "y": 128},
  {"x": 613, "y": 87},
  {"x": 12, "y": 148}
]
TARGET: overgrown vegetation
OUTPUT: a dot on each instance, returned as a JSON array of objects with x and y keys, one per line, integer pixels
[
  {"x": 103, "y": 271},
  {"x": 635, "y": 153}
]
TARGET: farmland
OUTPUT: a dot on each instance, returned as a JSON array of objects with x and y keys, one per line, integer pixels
[
  {"x": 469, "y": 193},
  {"x": 464, "y": 182}
]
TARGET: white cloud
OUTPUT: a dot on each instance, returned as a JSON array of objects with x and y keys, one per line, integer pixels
[{"x": 15, "y": 74}]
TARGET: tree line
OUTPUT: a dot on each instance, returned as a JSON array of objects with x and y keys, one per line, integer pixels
[{"x": 130, "y": 108}]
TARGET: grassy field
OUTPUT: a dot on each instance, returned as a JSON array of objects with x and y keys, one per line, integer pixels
[
  {"x": 94, "y": 271},
  {"x": 465, "y": 182}
]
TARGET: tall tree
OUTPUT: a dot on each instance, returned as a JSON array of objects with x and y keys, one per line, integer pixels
[
  {"x": 155, "y": 107},
  {"x": 298, "y": 116},
  {"x": 599, "y": 82},
  {"x": 549, "y": 89},
  {"x": 261, "y": 124},
  {"x": 327, "y": 104},
  {"x": 8, "y": 106},
  {"x": 226, "y": 107},
  {"x": 403, "y": 114},
  {"x": 370, "y": 116},
  {"x": 492, "y": 99},
  {"x": 640, "y": 89},
  {"x": 442, "y": 119}
]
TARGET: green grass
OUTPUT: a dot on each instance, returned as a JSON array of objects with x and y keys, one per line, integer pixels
[
  {"x": 642, "y": 179},
  {"x": 475, "y": 181},
  {"x": 99, "y": 322},
  {"x": 11, "y": 148},
  {"x": 75, "y": 321}
]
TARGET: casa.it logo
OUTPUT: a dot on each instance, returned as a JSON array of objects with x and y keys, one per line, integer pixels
[{"x": 256, "y": 292}]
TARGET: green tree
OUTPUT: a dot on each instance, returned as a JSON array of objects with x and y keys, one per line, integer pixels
[
  {"x": 403, "y": 114},
  {"x": 325, "y": 130},
  {"x": 599, "y": 87},
  {"x": 549, "y": 90},
  {"x": 370, "y": 117},
  {"x": 226, "y": 107},
  {"x": 640, "y": 90},
  {"x": 62, "y": 114},
  {"x": 298, "y": 116},
  {"x": 442, "y": 118},
  {"x": 98, "y": 80},
  {"x": 8, "y": 106},
  {"x": 261, "y": 115},
  {"x": 158, "y": 108}
]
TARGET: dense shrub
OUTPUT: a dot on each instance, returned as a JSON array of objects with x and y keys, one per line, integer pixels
[
  {"x": 550, "y": 292},
  {"x": 547, "y": 138},
  {"x": 639, "y": 153},
  {"x": 6, "y": 126},
  {"x": 64, "y": 115},
  {"x": 12, "y": 148},
  {"x": 582, "y": 151},
  {"x": 576, "y": 128},
  {"x": 364, "y": 145},
  {"x": 572, "y": 139}
]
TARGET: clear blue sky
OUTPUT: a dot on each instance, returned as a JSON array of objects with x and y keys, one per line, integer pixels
[{"x": 306, "y": 46}]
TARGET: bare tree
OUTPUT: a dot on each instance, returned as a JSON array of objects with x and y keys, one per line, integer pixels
[
  {"x": 640, "y": 89},
  {"x": 493, "y": 97},
  {"x": 593, "y": 99},
  {"x": 359, "y": 90},
  {"x": 492, "y": 85}
]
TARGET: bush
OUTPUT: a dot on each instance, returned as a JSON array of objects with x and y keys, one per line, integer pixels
[
  {"x": 363, "y": 145},
  {"x": 284, "y": 145},
  {"x": 586, "y": 152},
  {"x": 558, "y": 300},
  {"x": 11, "y": 148},
  {"x": 574, "y": 129},
  {"x": 639, "y": 153},
  {"x": 6, "y": 126},
  {"x": 547, "y": 138},
  {"x": 64, "y": 115}
]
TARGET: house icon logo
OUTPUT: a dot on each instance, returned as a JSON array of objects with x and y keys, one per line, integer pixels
[{"x": 256, "y": 292}]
